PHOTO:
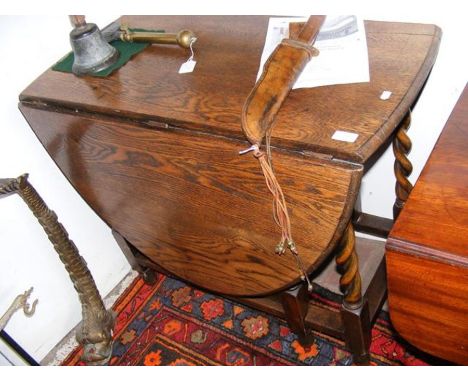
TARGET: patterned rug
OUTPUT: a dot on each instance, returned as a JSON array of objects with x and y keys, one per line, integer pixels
[{"x": 170, "y": 323}]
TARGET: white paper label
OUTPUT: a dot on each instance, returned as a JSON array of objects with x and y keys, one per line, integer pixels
[
  {"x": 343, "y": 50},
  {"x": 187, "y": 67},
  {"x": 385, "y": 95},
  {"x": 344, "y": 136}
]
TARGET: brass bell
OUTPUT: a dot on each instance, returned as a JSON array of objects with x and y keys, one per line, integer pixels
[{"x": 92, "y": 53}]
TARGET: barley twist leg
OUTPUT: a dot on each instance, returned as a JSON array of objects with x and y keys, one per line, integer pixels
[
  {"x": 347, "y": 261},
  {"x": 402, "y": 167},
  {"x": 355, "y": 308}
]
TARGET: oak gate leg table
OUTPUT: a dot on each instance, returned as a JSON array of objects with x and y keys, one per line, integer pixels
[{"x": 155, "y": 154}]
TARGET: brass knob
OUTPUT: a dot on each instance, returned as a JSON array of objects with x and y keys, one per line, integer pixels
[{"x": 185, "y": 38}]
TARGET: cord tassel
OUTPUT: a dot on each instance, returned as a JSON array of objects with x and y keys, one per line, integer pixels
[{"x": 280, "y": 211}]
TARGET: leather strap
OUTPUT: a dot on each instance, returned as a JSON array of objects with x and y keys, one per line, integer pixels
[{"x": 280, "y": 72}]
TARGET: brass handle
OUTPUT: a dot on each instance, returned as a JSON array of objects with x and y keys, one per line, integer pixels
[{"x": 184, "y": 38}]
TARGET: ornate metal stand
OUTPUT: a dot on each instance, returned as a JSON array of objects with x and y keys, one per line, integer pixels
[
  {"x": 95, "y": 331},
  {"x": 403, "y": 167},
  {"x": 20, "y": 302}
]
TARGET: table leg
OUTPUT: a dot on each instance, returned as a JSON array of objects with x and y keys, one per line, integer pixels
[
  {"x": 402, "y": 167},
  {"x": 295, "y": 303},
  {"x": 354, "y": 309},
  {"x": 347, "y": 262},
  {"x": 148, "y": 275}
]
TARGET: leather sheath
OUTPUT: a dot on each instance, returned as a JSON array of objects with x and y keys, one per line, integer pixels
[{"x": 280, "y": 72}]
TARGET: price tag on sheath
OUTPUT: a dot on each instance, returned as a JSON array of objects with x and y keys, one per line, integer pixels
[{"x": 187, "y": 66}]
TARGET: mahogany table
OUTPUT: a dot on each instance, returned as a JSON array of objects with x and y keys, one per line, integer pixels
[
  {"x": 155, "y": 154},
  {"x": 427, "y": 250}
]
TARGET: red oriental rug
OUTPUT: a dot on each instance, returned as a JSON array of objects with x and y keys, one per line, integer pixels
[{"x": 171, "y": 323}]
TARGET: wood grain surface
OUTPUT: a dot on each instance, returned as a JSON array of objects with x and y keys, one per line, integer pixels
[
  {"x": 427, "y": 250},
  {"x": 149, "y": 89},
  {"x": 196, "y": 207},
  {"x": 427, "y": 304},
  {"x": 155, "y": 153}
]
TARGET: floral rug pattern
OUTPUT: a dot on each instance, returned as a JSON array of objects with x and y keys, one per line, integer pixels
[{"x": 170, "y": 323}]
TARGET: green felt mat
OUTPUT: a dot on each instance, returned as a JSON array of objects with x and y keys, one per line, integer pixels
[{"x": 126, "y": 49}]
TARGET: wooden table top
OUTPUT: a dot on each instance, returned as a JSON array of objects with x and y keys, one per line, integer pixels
[
  {"x": 149, "y": 90},
  {"x": 427, "y": 250},
  {"x": 434, "y": 221}
]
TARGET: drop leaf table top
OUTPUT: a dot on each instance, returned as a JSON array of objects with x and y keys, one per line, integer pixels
[{"x": 155, "y": 153}]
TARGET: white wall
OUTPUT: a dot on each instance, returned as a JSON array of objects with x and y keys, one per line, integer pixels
[
  {"x": 446, "y": 82},
  {"x": 27, "y": 258}
]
